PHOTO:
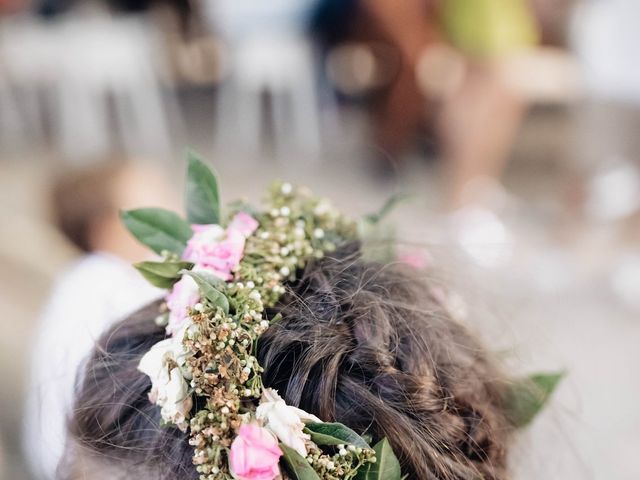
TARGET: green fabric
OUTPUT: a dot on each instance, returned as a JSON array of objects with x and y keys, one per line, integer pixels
[{"x": 489, "y": 27}]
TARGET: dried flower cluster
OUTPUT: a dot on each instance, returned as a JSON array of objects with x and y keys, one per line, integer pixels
[{"x": 223, "y": 370}]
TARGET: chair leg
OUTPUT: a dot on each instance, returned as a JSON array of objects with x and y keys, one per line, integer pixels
[
  {"x": 12, "y": 124},
  {"x": 306, "y": 121},
  {"x": 148, "y": 119},
  {"x": 239, "y": 118}
]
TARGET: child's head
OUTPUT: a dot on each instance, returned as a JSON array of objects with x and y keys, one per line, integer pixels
[
  {"x": 361, "y": 343},
  {"x": 85, "y": 203}
]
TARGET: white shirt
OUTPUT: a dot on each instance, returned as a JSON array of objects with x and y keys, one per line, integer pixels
[{"x": 90, "y": 296}]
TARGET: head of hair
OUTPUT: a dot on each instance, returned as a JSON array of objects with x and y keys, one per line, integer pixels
[{"x": 359, "y": 342}]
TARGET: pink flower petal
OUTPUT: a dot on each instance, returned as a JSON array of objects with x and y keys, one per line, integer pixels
[
  {"x": 255, "y": 454},
  {"x": 244, "y": 223}
]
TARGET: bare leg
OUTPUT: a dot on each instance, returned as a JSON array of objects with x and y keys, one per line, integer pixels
[
  {"x": 477, "y": 126},
  {"x": 409, "y": 26}
]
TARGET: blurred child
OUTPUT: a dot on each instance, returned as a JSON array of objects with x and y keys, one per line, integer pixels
[{"x": 95, "y": 291}]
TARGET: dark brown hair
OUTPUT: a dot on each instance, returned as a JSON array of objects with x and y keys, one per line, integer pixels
[
  {"x": 359, "y": 342},
  {"x": 83, "y": 196}
]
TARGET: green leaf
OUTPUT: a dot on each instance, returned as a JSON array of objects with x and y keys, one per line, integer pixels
[
  {"x": 378, "y": 238},
  {"x": 162, "y": 274},
  {"x": 158, "y": 229},
  {"x": 334, "y": 434},
  {"x": 387, "y": 466},
  {"x": 528, "y": 396},
  {"x": 202, "y": 197},
  {"x": 391, "y": 203},
  {"x": 208, "y": 285},
  {"x": 297, "y": 466}
]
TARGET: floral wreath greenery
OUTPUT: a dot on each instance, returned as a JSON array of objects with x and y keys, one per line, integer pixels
[{"x": 222, "y": 274}]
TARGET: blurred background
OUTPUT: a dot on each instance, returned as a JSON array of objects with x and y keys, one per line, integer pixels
[{"x": 513, "y": 124}]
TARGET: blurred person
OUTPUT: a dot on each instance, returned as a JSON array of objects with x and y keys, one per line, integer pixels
[
  {"x": 486, "y": 33},
  {"x": 96, "y": 290},
  {"x": 479, "y": 112}
]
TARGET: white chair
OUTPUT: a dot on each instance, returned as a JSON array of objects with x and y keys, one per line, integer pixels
[
  {"x": 103, "y": 58},
  {"x": 27, "y": 68},
  {"x": 12, "y": 125},
  {"x": 269, "y": 52},
  {"x": 82, "y": 61}
]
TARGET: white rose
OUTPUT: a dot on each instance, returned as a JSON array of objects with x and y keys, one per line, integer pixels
[
  {"x": 175, "y": 400},
  {"x": 169, "y": 389},
  {"x": 284, "y": 421},
  {"x": 157, "y": 357}
]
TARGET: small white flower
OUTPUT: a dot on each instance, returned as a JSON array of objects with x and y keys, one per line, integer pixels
[
  {"x": 318, "y": 233},
  {"x": 284, "y": 421},
  {"x": 286, "y": 188},
  {"x": 285, "y": 272},
  {"x": 255, "y": 295},
  {"x": 285, "y": 211},
  {"x": 322, "y": 208}
]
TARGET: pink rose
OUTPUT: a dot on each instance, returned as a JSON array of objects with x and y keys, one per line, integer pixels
[
  {"x": 217, "y": 251},
  {"x": 200, "y": 244},
  {"x": 219, "y": 258},
  {"x": 244, "y": 223},
  {"x": 255, "y": 454},
  {"x": 184, "y": 295}
]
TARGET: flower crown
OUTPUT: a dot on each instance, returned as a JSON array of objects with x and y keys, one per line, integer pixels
[{"x": 222, "y": 274}]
